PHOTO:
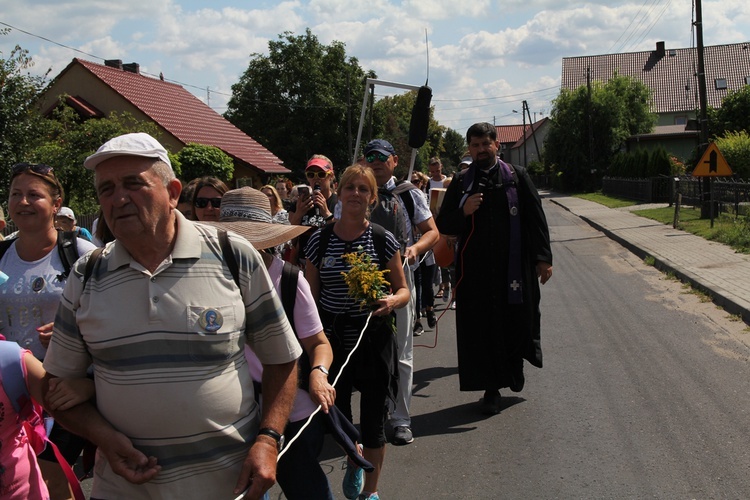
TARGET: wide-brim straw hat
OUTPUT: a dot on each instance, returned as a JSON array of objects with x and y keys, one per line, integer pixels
[{"x": 247, "y": 212}]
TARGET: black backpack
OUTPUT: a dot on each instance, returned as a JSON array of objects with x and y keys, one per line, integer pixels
[
  {"x": 67, "y": 249},
  {"x": 389, "y": 213}
]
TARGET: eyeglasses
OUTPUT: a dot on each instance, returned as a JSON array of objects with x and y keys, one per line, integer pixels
[
  {"x": 203, "y": 202},
  {"x": 37, "y": 168},
  {"x": 312, "y": 174},
  {"x": 376, "y": 156}
]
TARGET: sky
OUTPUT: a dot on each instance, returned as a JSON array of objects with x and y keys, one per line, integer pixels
[{"x": 481, "y": 58}]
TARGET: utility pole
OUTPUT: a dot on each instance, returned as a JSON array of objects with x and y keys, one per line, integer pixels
[
  {"x": 523, "y": 113},
  {"x": 589, "y": 117},
  {"x": 703, "y": 120}
]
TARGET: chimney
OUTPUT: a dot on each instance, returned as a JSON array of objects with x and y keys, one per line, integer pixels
[
  {"x": 132, "y": 67},
  {"x": 660, "y": 51},
  {"x": 113, "y": 63}
]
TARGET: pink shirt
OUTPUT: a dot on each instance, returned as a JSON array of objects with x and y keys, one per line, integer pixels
[
  {"x": 20, "y": 477},
  {"x": 306, "y": 321}
]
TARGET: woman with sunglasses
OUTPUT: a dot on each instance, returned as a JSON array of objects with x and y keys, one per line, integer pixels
[
  {"x": 315, "y": 204},
  {"x": 207, "y": 198},
  {"x": 30, "y": 297}
]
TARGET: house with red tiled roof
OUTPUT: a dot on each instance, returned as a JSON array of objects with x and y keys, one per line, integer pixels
[
  {"x": 96, "y": 90},
  {"x": 671, "y": 74},
  {"x": 521, "y": 147}
]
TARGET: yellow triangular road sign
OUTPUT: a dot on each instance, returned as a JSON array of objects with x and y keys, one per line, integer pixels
[{"x": 712, "y": 163}]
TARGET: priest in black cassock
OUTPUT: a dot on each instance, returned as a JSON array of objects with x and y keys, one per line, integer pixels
[{"x": 503, "y": 254}]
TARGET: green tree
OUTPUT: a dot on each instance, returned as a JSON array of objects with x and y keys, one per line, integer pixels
[
  {"x": 197, "y": 160},
  {"x": 618, "y": 109},
  {"x": 391, "y": 117},
  {"x": 67, "y": 140},
  {"x": 19, "y": 118},
  {"x": 454, "y": 146},
  {"x": 300, "y": 99},
  {"x": 733, "y": 115},
  {"x": 735, "y": 147}
]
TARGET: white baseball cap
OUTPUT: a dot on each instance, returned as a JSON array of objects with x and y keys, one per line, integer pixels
[
  {"x": 66, "y": 212},
  {"x": 136, "y": 144}
]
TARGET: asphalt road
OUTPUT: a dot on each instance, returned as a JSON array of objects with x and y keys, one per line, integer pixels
[{"x": 643, "y": 395}]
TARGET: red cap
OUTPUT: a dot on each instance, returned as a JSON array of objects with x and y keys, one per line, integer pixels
[{"x": 320, "y": 163}]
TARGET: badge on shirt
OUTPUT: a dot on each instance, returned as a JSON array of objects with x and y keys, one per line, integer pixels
[
  {"x": 329, "y": 261},
  {"x": 211, "y": 320},
  {"x": 38, "y": 284}
]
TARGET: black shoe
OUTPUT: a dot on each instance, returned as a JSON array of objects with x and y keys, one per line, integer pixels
[
  {"x": 418, "y": 329},
  {"x": 491, "y": 403},
  {"x": 431, "y": 321}
]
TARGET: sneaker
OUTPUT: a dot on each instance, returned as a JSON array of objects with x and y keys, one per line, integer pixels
[
  {"x": 418, "y": 329},
  {"x": 431, "y": 321},
  {"x": 402, "y": 435},
  {"x": 354, "y": 479},
  {"x": 371, "y": 496},
  {"x": 447, "y": 294},
  {"x": 453, "y": 305}
]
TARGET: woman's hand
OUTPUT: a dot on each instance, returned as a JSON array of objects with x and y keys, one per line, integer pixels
[
  {"x": 386, "y": 305},
  {"x": 45, "y": 334},
  {"x": 65, "y": 393},
  {"x": 321, "y": 391}
]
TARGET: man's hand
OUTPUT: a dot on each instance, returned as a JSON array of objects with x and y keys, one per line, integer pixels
[
  {"x": 45, "y": 334},
  {"x": 472, "y": 204},
  {"x": 259, "y": 469},
  {"x": 411, "y": 255},
  {"x": 128, "y": 462},
  {"x": 543, "y": 271}
]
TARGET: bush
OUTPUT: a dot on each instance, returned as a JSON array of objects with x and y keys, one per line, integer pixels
[{"x": 735, "y": 147}]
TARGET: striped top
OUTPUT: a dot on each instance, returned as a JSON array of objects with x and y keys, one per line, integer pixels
[
  {"x": 333, "y": 289},
  {"x": 167, "y": 350}
]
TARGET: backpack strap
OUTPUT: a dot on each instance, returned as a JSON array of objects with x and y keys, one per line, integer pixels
[
  {"x": 379, "y": 240},
  {"x": 5, "y": 245},
  {"x": 67, "y": 248},
  {"x": 325, "y": 236},
  {"x": 91, "y": 264},
  {"x": 228, "y": 253},
  {"x": 289, "y": 277},
  {"x": 403, "y": 187}
]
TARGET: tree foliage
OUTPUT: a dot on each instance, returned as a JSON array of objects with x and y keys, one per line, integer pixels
[
  {"x": 66, "y": 141},
  {"x": 733, "y": 115},
  {"x": 19, "y": 119},
  {"x": 298, "y": 100},
  {"x": 735, "y": 147},
  {"x": 618, "y": 109},
  {"x": 197, "y": 160},
  {"x": 454, "y": 148},
  {"x": 391, "y": 117}
]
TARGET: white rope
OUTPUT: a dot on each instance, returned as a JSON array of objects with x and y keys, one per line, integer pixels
[{"x": 309, "y": 419}]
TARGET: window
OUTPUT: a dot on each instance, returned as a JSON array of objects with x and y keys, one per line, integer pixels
[
  {"x": 747, "y": 80},
  {"x": 680, "y": 120},
  {"x": 720, "y": 83}
]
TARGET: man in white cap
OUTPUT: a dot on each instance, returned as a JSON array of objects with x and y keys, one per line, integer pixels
[
  {"x": 165, "y": 325},
  {"x": 65, "y": 220}
]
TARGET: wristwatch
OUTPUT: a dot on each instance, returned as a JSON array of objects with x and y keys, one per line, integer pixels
[
  {"x": 321, "y": 368},
  {"x": 279, "y": 438}
]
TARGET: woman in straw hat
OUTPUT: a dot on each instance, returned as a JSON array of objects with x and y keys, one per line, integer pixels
[{"x": 247, "y": 212}]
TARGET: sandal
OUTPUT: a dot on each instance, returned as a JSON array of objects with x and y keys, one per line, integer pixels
[{"x": 439, "y": 295}]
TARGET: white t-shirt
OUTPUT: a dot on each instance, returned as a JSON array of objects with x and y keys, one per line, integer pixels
[{"x": 30, "y": 297}]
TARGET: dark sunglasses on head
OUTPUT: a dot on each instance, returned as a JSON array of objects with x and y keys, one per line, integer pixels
[
  {"x": 311, "y": 174},
  {"x": 376, "y": 156},
  {"x": 37, "y": 168},
  {"x": 203, "y": 202}
]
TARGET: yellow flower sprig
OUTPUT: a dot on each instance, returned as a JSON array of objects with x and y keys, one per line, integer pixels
[{"x": 365, "y": 279}]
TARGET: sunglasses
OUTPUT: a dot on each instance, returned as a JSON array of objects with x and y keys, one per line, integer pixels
[
  {"x": 379, "y": 156},
  {"x": 37, "y": 168},
  {"x": 203, "y": 202},
  {"x": 313, "y": 174}
]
